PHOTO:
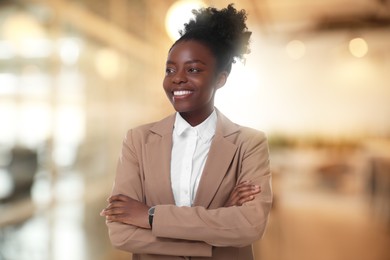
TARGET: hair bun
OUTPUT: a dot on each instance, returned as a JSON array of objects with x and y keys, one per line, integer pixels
[{"x": 223, "y": 28}]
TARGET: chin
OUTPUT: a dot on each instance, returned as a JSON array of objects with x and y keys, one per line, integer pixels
[{"x": 181, "y": 109}]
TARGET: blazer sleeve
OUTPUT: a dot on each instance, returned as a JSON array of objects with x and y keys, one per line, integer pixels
[
  {"x": 235, "y": 226},
  {"x": 128, "y": 181}
]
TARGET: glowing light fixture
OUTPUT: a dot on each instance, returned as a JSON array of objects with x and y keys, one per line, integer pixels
[
  {"x": 295, "y": 49},
  {"x": 179, "y": 14},
  {"x": 358, "y": 47}
]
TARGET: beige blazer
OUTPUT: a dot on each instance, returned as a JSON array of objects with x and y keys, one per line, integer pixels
[{"x": 207, "y": 229}]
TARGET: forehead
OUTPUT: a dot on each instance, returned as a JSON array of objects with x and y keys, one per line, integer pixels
[{"x": 191, "y": 50}]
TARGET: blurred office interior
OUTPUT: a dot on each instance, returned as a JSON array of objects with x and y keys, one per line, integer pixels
[{"x": 76, "y": 74}]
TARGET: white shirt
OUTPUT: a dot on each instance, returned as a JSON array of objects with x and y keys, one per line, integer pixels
[{"x": 190, "y": 148}]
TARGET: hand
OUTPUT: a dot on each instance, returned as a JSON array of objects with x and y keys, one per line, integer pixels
[
  {"x": 124, "y": 209},
  {"x": 242, "y": 193}
]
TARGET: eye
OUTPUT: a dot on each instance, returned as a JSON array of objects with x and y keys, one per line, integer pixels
[
  {"x": 194, "y": 70},
  {"x": 169, "y": 71}
]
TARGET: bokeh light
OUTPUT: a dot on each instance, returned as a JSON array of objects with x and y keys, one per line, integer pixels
[
  {"x": 295, "y": 49},
  {"x": 178, "y": 14},
  {"x": 358, "y": 47}
]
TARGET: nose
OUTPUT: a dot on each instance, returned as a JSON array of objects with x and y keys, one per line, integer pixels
[{"x": 179, "y": 77}]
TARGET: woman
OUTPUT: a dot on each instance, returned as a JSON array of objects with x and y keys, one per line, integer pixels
[{"x": 194, "y": 184}]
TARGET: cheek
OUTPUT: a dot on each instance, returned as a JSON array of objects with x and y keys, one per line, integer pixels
[
  {"x": 165, "y": 84},
  {"x": 210, "y": 89}
]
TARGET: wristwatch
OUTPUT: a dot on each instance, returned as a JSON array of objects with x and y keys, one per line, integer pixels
[{"x": 151, "y": 215}]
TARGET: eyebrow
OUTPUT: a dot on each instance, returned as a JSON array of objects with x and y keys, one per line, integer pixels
[{"x": 187, "y": 62}]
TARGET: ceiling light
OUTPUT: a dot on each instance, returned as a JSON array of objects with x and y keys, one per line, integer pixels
[
  {"x": 358, "y": 47},
  {"x": 295, "y": 49},
  {"x": 179, "y": 14}
]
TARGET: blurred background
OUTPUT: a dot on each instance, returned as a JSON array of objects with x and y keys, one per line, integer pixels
[{"x": 76, "y": 74}]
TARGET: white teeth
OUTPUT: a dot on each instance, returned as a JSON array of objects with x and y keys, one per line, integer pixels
[{"x": 181, "y": 92}]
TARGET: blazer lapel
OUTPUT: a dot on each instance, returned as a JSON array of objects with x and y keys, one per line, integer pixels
[
  {"x": 158, "y": 151},
  {"x": 218, "y": 161}
]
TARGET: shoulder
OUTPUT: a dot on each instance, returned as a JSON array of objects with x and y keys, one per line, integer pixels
[
  {"x": 247, "y": 137},
  {"x": 238, "y": 133},
  {"x": 249, "y": 133},
  {"x": 159, "y": 128}
]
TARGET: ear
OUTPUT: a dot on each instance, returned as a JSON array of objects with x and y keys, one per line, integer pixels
[{"x": 221, "y": 79}]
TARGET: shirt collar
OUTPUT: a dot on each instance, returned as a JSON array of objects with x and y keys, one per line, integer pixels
[{"x": 205, "y": 130}]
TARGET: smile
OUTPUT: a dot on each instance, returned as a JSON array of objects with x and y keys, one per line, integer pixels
[{"x": 181, "y": 92}]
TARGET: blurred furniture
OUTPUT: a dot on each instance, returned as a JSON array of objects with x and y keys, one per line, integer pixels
[
  {"x": 22, "y": 169},
  {"x": 379, "y": 187},
  {"x": 333, "y": 174}
]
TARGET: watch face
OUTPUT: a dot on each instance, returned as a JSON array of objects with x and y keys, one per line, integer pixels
[{"x": 151, "y": 211}]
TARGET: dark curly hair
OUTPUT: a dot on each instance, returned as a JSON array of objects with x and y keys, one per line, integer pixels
[{"x": 223, "y": 31}]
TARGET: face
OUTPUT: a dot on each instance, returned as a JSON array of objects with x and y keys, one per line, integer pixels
[{"x": 191, "y": 80}]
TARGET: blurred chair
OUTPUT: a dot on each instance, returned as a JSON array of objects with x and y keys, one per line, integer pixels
[
  {"x": 17, "y": 207},
  {"x": 22, "y": 167},
  {"x": 379, "y": 186}
]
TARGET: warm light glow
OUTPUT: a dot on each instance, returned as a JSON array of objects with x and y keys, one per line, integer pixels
[
  {"x": 8, "y": 83},
  {"x": 295, "y": 49},
  {"x": 107, "y": 63},
  {"x": 69, "y": 50},
  {"x": 66, "y": 139},
  {"x": 33, "y": 123},
  {"x": 27, "y": 36},
  {"x": 35, "y": 48},
  {"x": 179, "y": 14},
  {"x": 358, "y": 47},
  {"x": 240, "y": 94},
  {"x": 7, "y": 50},
  {"x": 22, "y": 26},
  {"x": 65, "y": 116}
]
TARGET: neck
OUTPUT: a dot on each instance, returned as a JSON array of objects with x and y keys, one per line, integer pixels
[{"x": 195, "y": 120}]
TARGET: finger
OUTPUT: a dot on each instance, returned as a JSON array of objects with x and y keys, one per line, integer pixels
[
  {"x": 244, "y": 190},
  {"x": 115, "y": 204},
  {"x": 245, "y": 196},
  {"x": 114, "y": 210},
  {"x": 245, "y": 199},
  {"x": 248, "y": 188},
  {"x": 123, "y": 218},
  {"x": 247, "y": 193},
  {"x": 239, "y": 190},
  {"x": 247, "y": 185},
  {"x": 107, "y": 212},
  {"x": 118, "y": 197},
  {"x": 241, "y": 184},
  {"x": 115, "y": 218}
]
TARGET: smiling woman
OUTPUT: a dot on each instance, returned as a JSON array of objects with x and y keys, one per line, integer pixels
[{"x": 194, "y": 184}]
